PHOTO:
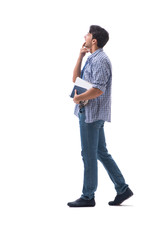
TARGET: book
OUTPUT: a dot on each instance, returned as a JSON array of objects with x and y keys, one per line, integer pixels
[{"x": 81, "y": 86}]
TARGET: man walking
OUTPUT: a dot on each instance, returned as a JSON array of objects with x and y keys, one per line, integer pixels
[{"x": 94, "y": 108}]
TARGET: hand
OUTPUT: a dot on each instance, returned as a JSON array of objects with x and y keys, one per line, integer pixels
[
  {"x": 75, "y": 98},
  {"x": 84, "y": 50}
]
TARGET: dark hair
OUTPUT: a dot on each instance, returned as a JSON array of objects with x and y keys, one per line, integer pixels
[{"x": 100, "y": 34}]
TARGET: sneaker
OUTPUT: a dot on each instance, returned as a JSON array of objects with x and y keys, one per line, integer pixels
[
  {"x": 82, "y": 203},
  {"x": 121, "y": 197}
]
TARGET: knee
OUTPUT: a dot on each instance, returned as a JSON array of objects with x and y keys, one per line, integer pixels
[{"x": 104, "y": 155}]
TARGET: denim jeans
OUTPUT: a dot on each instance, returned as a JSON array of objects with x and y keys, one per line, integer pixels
[{"x": 94, "y": 147}]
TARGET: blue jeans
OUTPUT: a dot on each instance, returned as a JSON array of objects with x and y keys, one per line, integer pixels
[{"x": 94, "y": 147}]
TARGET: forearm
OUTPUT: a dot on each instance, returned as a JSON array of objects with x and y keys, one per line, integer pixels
[
  {"x": 77, "y": 69},
  {"x": 90, "y": 94}
]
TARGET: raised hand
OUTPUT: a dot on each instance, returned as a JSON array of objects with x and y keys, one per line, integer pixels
[{"x": 84, "y": 50}]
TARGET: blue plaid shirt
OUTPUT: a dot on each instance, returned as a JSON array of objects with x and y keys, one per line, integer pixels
[{"x": 98, "y": 71}]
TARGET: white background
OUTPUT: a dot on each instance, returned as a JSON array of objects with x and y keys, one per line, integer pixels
[{"x": 40, "y": 162}]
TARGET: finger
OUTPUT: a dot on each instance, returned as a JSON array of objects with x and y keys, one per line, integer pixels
[
  {"x": 84, "y": 50},
  {"x": 84, "y": 44}
]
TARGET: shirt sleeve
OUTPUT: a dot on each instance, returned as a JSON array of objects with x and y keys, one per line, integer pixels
[{"x": 100, "y": 74}]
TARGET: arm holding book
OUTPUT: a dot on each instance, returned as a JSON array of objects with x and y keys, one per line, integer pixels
[{"x": 89, "y": 94}]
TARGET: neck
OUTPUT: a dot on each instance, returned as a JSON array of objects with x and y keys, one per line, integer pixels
[{"x": 94, "y": 48}]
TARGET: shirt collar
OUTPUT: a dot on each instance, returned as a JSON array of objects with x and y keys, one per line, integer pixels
[{"x": 95, "y": 53}]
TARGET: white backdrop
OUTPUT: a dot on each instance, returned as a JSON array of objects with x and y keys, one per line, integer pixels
[{"x": 40, "y": 162}]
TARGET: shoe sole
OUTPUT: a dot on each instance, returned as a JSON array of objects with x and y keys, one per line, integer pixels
[{"x": 80, "y": 206}]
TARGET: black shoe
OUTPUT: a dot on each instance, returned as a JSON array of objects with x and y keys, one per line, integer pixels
[
  {"x": 82, "y": 203},
  {"x": 121, "y": 197}
]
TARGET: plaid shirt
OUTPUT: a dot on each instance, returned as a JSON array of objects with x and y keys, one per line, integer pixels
[{"x": 98, "y": 71}]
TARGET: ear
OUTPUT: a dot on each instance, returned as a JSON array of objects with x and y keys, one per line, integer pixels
[{"x": 94, "y": 41}]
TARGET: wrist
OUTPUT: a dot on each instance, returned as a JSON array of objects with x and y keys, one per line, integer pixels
[{"x": 80, "y": 58}]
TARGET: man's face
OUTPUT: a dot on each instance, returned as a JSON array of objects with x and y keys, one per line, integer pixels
[{"x": 88, "y": 40}]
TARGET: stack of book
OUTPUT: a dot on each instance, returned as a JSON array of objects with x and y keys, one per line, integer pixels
[{"x": 81, "y": 86}]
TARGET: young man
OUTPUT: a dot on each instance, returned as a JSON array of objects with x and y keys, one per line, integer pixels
[{"x": 94, "y": 108}]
